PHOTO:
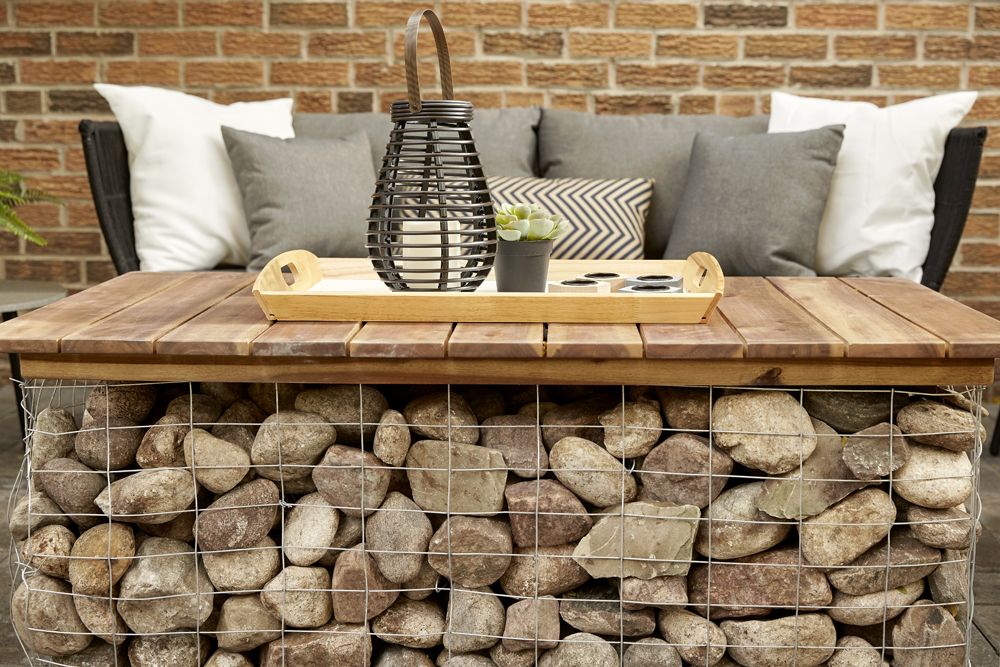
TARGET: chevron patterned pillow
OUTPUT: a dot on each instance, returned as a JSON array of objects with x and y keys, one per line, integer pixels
[{"x": 607, "y": 217}]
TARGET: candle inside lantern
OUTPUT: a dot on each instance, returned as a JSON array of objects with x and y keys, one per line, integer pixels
[{"x": 429, "y": 256}]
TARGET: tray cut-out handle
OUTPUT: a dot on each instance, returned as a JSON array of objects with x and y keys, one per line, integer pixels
[{"x": 304, "y": 267}]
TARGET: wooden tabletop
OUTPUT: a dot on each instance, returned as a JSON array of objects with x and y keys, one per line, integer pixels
[{"x": 187, "y": 319}]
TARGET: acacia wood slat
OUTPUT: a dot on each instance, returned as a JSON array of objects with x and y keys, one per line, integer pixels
[
  {"x": 868, "y": 328},
  {"x": 968, "y": 333},
  {"x": 306, "y": 339},
  {"x": 136, "y": 329},
  {"x": 772, "y": 325},
  {"x": 227, "y": 328},
  {"x": 593, "y": 341},
  {"x": 471, "y": 339},
  {"x": 397, "y": 340},
  {"x": 713, "y": 340},
  {"x": 42, "y": 330}
]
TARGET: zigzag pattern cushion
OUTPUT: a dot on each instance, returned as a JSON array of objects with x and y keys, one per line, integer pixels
[{"x": 607, "y": 217}]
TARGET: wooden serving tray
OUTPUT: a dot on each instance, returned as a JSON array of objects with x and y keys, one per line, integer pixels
[{"x": 338, "y": 290}]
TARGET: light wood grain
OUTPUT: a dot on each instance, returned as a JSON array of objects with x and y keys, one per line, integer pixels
[
  {"x": 713, "y": 340},
  {"x": 593, "y": 341},
  {"x": 559, "y": 269},
  {"x": 968, "y": 333},
  {"x": 306, "y": 339},
  {"x": 524, "y": 339},
  {"x": 226, "y": 328},
  {"x": 772, "y": 326},
  {"x": 399, "y": 340},
  {"x": 869, "y": 329},
  {"x": 136, "y": 329},
  {"x": 42, "y": 330},
  {"x": 735, "y": 372}
]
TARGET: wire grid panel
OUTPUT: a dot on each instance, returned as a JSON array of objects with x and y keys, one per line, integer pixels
[{"x": 299, "y": 525}]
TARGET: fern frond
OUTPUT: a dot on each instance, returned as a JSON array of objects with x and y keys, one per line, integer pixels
[
  {"x": 34, "y": 196},
  {"x": 12, "y": 223}
]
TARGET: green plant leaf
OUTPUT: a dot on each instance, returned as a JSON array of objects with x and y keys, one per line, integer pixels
[
  {"x": 509, "y": 234},
  {"x": 522, "y": 226},
  {"x": 540, "y": 228},
  {"x": 12, "y": 223},
  {"x": 522, "y": 211}
]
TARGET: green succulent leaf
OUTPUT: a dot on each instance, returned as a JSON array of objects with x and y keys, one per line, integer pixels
[
  {"x": 557, "y": 232},
  {"x": 522, "y": 211},
  {"x": 523, "y": 226},
  {"x": 540, "y": 228},
  {"x": 530, "y": 222},
  {"x": 509, "y": 234}
]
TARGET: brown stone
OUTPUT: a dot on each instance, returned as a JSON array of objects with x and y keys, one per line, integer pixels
[
  {"x": 549, "y": 508},
  {"x": 346, "y": 406},
  {"x": 940, "y": 425},
  {"x": 245, "y": 624},
  {"x": 224, "y": 393},
  {"x": 748, "y": 427},
  {"x": 48, "y": 549},
  {"x": 73, "y": 486},
  {"x": 471, "y": 551},
  {"x": 299, "y": 596},
  {"x": 199, "y": 409},
  {"x": 108, "y": 443},
  {"x": 847, "y": 529},
  {"x": 100, "y": 557},
  {"x": 902, "y": 554},
  {"x": 876, "y": 451},
  {"x": 329, "y": 646},
  {"x": 271, "y": 397},
  {"x": 658, "y": 592},
  {"x": 698, "y": 640},
  {"x": 736, "y": 528},
  {"x": 596, "y": 607},
  {"x": 397, "y": 536},
  {"x": 942, "y": 528},
  {"x": 45, "y": 618},
  {"x": 552, "y": 571},
  {"x": 125, "y": 401},
  {"x": 782, "y": 642},
  {"x": 149, "y": 496},
  {"x": 289, "y": 444},
  {"x": 516, "y": 437},
  {"x": 589, "y": 471},
  {"x": 412, "y": 623},
  {"x": 217, "y": 464},
  {"x": 474, "y": 620},
  {"x": 240, "y": 423},
  {"x": 677, "y": 470},
  {"x": 360, "y": 592},
  {"x": 177, "y": 649},
  {"x": 240, "y": 518},
  {"x": 462, "y": 479},
  {"x": 353, "y": 481},
  {"x": 100, "y": 615},
  {"x": 33, "y": 511},
  {"x": 631, "y": 429},
  {"x": 532, "y": 624},
  {"x": 428, "y": 416},
  {"x": 580, "y": 419},
  {"x": 163, "y": 444},
  {"x": 392, "y": 438}
]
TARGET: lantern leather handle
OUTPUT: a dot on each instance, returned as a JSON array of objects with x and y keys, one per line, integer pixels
[{"x": 444, "y": 60}]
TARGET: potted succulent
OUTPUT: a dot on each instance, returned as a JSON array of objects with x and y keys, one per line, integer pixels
[
  {"x": 12, "y": 194},
  {"x": 526, "y": 233}
]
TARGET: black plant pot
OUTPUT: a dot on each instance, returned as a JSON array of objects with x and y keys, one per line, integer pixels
[{"x": 522, "y": 266}]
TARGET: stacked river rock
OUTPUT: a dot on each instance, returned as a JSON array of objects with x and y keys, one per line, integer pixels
[{"x": 341, "y": 526}]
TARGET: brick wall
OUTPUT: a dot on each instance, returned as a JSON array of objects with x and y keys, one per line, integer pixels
[{"x": 602, "y": 56}]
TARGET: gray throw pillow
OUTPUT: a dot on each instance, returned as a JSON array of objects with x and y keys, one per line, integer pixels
[
  {"x": 310, "y": 194},
  {"x": 572, "y": 144},
  {"x": 756, "y": 202},
  {"x": 506, "y": 138}
]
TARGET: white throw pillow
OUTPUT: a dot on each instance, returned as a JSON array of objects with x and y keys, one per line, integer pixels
[
  {"x": 187, "y": 206},
  {"x": 880, "y": 212}
]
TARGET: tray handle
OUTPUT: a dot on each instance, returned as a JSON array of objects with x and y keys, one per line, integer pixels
[
  {"x": 305, "y": 270},
  {"x": 702, "y": 274},
  {"x": 410, "y": 53}
]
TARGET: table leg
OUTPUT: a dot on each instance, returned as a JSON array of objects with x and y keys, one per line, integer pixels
[{"x": 15, "y": 371}]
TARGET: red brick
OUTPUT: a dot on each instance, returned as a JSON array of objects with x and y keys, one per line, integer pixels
[
  {"x": 43, "y": 269},
  {"x": 8, "y": 130},
  {"x": 698, "y": 46},
  {"x": 987, "y": 307},
  {"x": 744, "y": 77},
  {"x": 837, "y": 15},
  {"x": 67, "y": 243},
  {"x": 460, "y": 43},
  {"x": 576, "y": 75},
  {"x": 881, "y": 101},
  {"x": 737, "y": 105},
  {"x": 982, "y": 76},
  {"x": 8, "y": 75},
  {"x": 481, "y": 99},
  {"x": 309, "y": 74},
  {"x": 9, "y": 244},
  {"x": 74, "y": 160},
  {"x": 64, "y": 187},
  {"x": 657, "y": 76},
  {"x": 697, "y": 104},
  {"x": 569, "y": 102},
  {"x": 98, "y": 272},
  {"x": 23, "y": 101},
  {"x": 380, "y": 74},
  {"x": 354, "y": 102},
  {"x": 610, "y": 44},
  {"x": 993, "y": 138},
  {"x": 911, "y": 76},
  {"x": 51, "y": 132},
  {"x": 632, "y": 104},
  {"x": 485, "y": 73},
  {"x": 881, "y": 47},
  {"x": 224, "y": 13},
  {"x": 785, "y": 46},
  {"x": 927, "y": 17},
  {"x": 989, "y": 166},
  {"x": 982, "y": 225},
  {"x": 308, "y": 14},
  {"x": 150, "y": 72},
  {"x": 518, "y": 44},
  {"x": 130, "y": 13},
  {"x": 985, "y": 108},
  {"x": 314, "y": 101},
  {"x": 745, "y": 16},
  {"x": 29, "y": 159},
  {"x": 95, "y": 43},
  {"x": 64, "y": 71},
  {"x": 481, "y": 13},
  {"x": 636, "y": 15},
  {"x": 986, "y": 47},
  {"x": 988, "y": 17},
  {"x": 54, "y": 13},
  {"x": 525, "y": 99},
  {"x": 82, "y": 215},
  {"x": 831, "y": 77},
  {"x": 87, "y": 101},
  {"x": 582, "y": 15},
  {"x": 232, "y": 73},
  {"x": 980, "y": 254},
  {"x": 972, "y": 283},
  {"x": 262, "y": 44},
  {"x": 384, "y": 13},
  {"x": 231, "y": 96},
  {"x": 347, "y": 44},
  {"x": 986, "y": 196},
  {"x": 25, "y": 44},
  {"x": 196, "y": 43},
  {"x": 39, "y": 215}
]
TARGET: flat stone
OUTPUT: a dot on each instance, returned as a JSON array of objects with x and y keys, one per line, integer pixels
[
  {"x": 162, "y": 446},
  {"x": 517, "y": 438},
  {"x": 698, "y": 640},
  {"x": 631, "y": 429},
  {"x": 412, "y": 623},
  {"x": 928, "y": 636},
  {"x": 548, "y": 507},
  {"x": 461, "y": 479},
  {"x": 596, "y": 607},
  {"x": 849, "y": 412},
  {"x": 658, "y": 592},
  {"x": 822, "y": 480},
  {"x": 45, "y": 605},
  {"x": 907, "y": 558},
  {"x": 471, "y": 551},
  {"x": 333, "y": 645},
  {"x": 240, "y": 518},
  {"x": 736, "y": 528},
  {"x": 53, "y": 436},
  {"x": 531, "y": 624},
  {"x": 872, "y": 608},
  {"x": 581, "y": 648},
  {"x": 934, "y": 477},
  {"x": 397, "y": 536},
  {"x": 948, "y": 528},
  {"x": 47, "y": 550},
  {"x": 360, "y": 592},
  {"x": 841, "y": 533},
  {"x": 240, "y": 423},
  {"x": 178, "y": 649},
  {"x": 677, "y": 470},
  {"x": 120, "y": 400},
  {"x": 751, "y": 643},
  {"x": 949, "y": 583},
  {"x": 876, "y": 451},
  {"x": 310, "y": 527},
  {"x": 352, "y": 480},
  {"x": 428, "y": 416},
  {"x": 271, "y": 397},
  {"x": 658, "y": 541},
  {"x": 855, "y": 652},
  {"x": 685, "y": 408},
  {"x": 100, "y": 557},
  {"x": 100, "y": 615},
  {"x": 166, "y": 588},
  {"x": 401, "y": 656},
  {"x": 346, "y": 406},
  {"x": 474, "y": 621},
  {"x": 196, "y": 409},
  {"x": 940, "y": 425},
  {"x": 33, "y": 511},
  {"x": 245, "y": 624},
  {"x": 243, "y": 569},
  {"x": 73, "y": 486},
  {"x": 754, "y": 585},
  {"x": 752, "y": 418},
  {"x": 651, "y": 652},
  {"x": 589, "y": 471},
  {"x": 391, "y": 441},
  {"x": 552, "y": 572},
  {"x": 485, "y": 401},
  {"x": 580, "y": 419},
  {"x": 149, "y": 496},
  {"x": 218, "y": 465},
  {"x": 299, "y": 596},
  {"x": 289, "y": 444}
]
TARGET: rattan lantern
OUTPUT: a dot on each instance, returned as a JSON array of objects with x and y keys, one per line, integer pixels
[{"x": 432, "y": 220}]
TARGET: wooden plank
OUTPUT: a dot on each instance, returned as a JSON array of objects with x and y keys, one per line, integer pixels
[
  {"x": 772, "y": 326},
  {"x": 869, "y": 329},
  {"x": 524, "y": 339},
  {"x": 714, "y": 339},
  {"x": 228, "y": 327},
  {"x": 399, "y": 340},
  {"x": 593, "y": 341},
  {"x": 742, "y": 372},
  {"x": 306, "y": 339},
  {"x": 42, "y": 330},
  {"x": 136, "y": 329},
  {"x": 968, "y": 333}
]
